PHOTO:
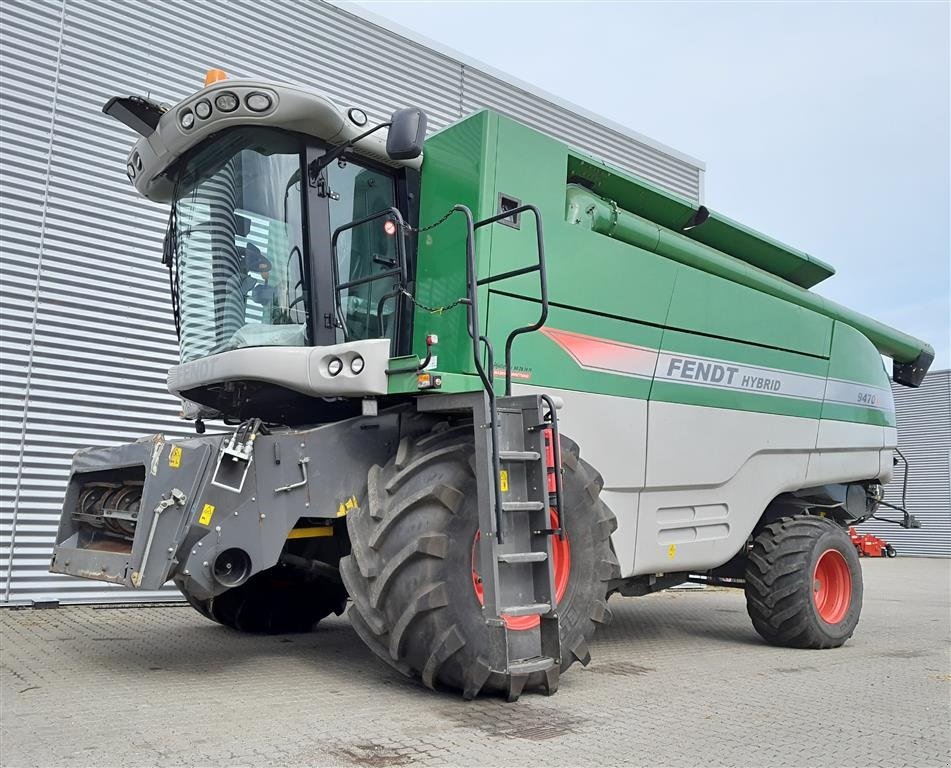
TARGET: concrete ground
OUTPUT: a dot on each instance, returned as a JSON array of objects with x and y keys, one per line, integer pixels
[{"x": 678, "y": 679}]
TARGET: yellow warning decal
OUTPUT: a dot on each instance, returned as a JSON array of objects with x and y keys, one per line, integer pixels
[
  {"x": 206, "y": 512},
  {"x": 346, "y": 506},
  {"x": 311, "y": 533},
  {"x": 175, "y": 457},
  {"x": 671, "y": 551},
  {"x": 504, "y": 481}
]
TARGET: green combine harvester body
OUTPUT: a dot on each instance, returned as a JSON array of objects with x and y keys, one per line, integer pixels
[{"x": 404, "y": 334}]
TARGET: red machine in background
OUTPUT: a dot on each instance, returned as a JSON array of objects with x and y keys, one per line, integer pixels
[{"x": 871, "y": 546}]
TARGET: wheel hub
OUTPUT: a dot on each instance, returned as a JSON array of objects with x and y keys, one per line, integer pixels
[{"x": 832, "y": 586}]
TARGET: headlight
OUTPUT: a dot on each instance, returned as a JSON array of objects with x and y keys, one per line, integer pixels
[
  {"x": 258, "y": 102},
  {"x": 187, "y": 120},
  {"x": 356, "y": 365},
  {"x": 203, "y": 109},
  {"x": 334, "y": 366},
  {"x": 226, "y": 102},
  {"x": 130, "y": 170}
]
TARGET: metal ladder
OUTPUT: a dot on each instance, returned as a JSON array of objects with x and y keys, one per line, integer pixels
[{"x": 518, "y": 445}]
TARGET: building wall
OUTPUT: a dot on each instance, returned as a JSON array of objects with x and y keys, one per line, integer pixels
[
  {"x": 86, "y": 327},
  {"x": 924, "y": 437}
]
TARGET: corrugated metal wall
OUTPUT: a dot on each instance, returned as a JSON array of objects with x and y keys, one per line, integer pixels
[
  {"x": 924, "y": 436},
  {"x": 86, "y": 330}
]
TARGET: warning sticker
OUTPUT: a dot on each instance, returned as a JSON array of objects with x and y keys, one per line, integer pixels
[
  {"x": 175, "y": 457},
  {"x": 504, "y": 481},
  {"x": 671, "y": 551},
  {"x": 346, "y": 506},
  {"x": 206, "y": 512}
]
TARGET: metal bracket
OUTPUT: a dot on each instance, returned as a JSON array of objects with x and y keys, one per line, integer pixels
[
  {"x": 175, "y": 498},
  {"x": 302, "y": 463},
  {"x": 238, "y": 451}
]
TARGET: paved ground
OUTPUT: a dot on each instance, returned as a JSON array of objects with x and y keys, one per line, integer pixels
[{"x": 677, "y": 679}]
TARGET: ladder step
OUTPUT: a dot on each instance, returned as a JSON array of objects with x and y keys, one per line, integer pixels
[
  {"x": 527, "y": 666},
  {"x": 527, "y": 610},
  {"x": 522, "y": 506},
  {"x": 519, "y": 455},
  {"x": 524, "y": 557}
]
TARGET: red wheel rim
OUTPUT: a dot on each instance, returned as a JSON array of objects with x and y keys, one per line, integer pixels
[
  {"x": 832, "y": 586},
  {"x": 561, "y": 562}
]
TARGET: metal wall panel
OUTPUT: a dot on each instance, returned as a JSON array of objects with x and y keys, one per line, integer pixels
[
  {"x": 29, "y": 56},
  {"x": 481, "y": 90},
  {"x": 87, "y": 334},
  {"x": 924, "y": 436}
]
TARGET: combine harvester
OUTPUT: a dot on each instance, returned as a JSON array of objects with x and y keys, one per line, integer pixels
[{"x": 404, "y": 335}]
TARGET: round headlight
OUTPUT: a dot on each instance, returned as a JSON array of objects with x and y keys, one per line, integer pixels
[
  {"x": 187, "y": 120},
  {"x": 258, "y": 102},
  {"x": 130, "y": 170},
  {"x": 356, "y": 365},
  {"x": 334, "y": 366},
  {"x": 226, "y": 102},
  {"x": 203, "y": 109},
  {"x": 138, "y": 162}
]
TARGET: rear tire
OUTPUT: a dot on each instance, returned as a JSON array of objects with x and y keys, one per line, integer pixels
[
  {"x": 410, "y": 576},
  {"x": 804, "y": 583},
  {"x": 274, "y": 601}
]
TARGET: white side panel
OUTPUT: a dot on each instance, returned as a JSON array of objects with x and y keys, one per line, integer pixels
[
  {"x": 847, "y": 451},
  {"x": 849, "y": 435},
  {"x": 612, "y": 433},
  {"x": 692, "y": 445},
  {"x": 710, "y": 474}
]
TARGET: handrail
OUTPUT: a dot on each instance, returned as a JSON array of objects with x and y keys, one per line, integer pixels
[
  {"x": 542, "y": 279},
  {"x": 400, "y": 268}
]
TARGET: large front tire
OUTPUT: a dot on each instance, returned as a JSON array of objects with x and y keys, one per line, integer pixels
[
  {"x": 804, "y": 583},
  {"x": 410, "y": 572}
]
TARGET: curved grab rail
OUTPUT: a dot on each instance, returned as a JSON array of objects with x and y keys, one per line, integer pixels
[{"x": 399, "y": 269}]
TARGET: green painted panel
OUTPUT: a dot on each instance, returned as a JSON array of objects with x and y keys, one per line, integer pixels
[
  {"x": 855, "y": 358},
  {"x": 709, "y": 304},
  {"x": 724, "y": 349},
  {"x": 459, "y": 167},
  {"x": 585, "y": 270}
]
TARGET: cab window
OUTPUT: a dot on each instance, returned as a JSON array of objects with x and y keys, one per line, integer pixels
[{"x": 364, "y": 254}]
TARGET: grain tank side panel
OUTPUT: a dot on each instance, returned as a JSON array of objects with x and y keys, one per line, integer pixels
[{"x": 585, "y": 271}]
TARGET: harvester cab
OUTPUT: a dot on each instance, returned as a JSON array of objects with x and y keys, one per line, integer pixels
[{"x": 359, "y": 302}]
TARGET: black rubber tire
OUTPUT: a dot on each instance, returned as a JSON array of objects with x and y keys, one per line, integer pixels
[
  {"x": 410, "y": 577},
  {"x": 890, "y": 551},
  {"x": 779, "y": 583},
  {"x": 272, "y": 602}
]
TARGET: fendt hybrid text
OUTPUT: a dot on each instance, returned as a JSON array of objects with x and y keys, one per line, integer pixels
[{"x": 403, "y": 331}]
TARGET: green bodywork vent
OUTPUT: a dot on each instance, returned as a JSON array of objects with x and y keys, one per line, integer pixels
[{"x": 673, "y": 212}]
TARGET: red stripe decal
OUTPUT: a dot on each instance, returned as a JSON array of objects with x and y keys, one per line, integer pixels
[{"x": 604, "y": 354}]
